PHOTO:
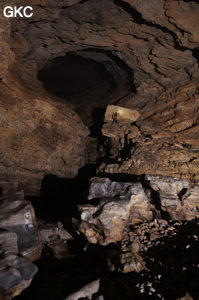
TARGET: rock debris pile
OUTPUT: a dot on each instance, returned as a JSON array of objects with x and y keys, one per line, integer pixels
[
  {"x": 140, "y": 238},
  {"x": 160, "y": 197}
]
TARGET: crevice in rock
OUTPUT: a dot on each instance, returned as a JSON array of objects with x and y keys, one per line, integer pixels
[
  {"x": 182, "y": 193},
  {"x": 196, "y": 54},
  {"x": 137, "y": 18},
  {"x": 154, "y": 195}
]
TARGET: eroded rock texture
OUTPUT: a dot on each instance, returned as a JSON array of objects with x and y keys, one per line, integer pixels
[
  {"x": 159, "y": 197},
  {"x": 105, "y": 223},
  {"x": 20, "y": 244},
  {"x": 149, "y": 52}
]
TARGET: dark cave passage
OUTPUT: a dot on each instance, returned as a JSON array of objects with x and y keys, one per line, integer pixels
[
  {"x": 73, "y": 75},
  {"x": 87, "y": 79}
]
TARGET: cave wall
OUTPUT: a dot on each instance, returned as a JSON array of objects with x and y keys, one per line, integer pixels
[{"x": 158, "y": 43}]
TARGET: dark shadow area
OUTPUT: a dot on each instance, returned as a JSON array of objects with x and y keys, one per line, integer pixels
[
  {"x": 59, "y": 196},
  {"x": 155, "y": 197},
  {"x": 115, "y": 60},
  {"x": 98, "y": 121},
  {"x": 173, "y": 264},
  {"x": 172, "y": 270},
  {"x": 196, "y": 54},
  {"x": 182, "y": 193},
  {"x": 71, "y": 75},
  {"x": 88, "y": 79},
  {"x": 120, "y": 177},
  {"x": 125, "y": 153}
]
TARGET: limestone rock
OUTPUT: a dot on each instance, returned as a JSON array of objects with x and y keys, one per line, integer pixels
[
  {"x": 118, "y": 113},
  {"x": 20, "y": 244},
  {"x": 86, "y": 292},
  {"x": 16, "y": 271},
  {"x": 162, "y": 145},
  {"x": 17, "y": 215},
  {"x": 150, "y": 52},
  {"x": 55, "y": 238},
  {"x": 105, "y": 223},
  {"x": 104, "y": 187},
  {"x": 186, "y": 297},
  {"x": 176, "y": 196},
  {"x": 51, "y": 231},
  {"x": 38, "y": 138},
  {"x": 102, "y": 289},
  {"x": 125, "y": 261}
]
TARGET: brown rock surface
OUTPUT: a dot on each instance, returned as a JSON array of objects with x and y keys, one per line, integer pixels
[
  {"x": 39, "y": 137},
  {"x": 125, "y": 204},
  {"x": 105, "y": 223},
  {"x": 151, "y": 51},
  {"x": 177, "y": 198}
]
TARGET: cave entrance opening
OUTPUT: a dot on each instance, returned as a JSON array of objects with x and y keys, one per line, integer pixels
[{"x": 89, "y": 80}]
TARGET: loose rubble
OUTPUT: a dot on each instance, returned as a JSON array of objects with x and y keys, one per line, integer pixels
[{"x": 141, "y": 241}]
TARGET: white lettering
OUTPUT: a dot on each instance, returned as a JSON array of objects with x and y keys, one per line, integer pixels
[
  {"x": 24, "y": 12},
  {"x": 10, "y": 11},
  {"x": 17, "y": 11}
]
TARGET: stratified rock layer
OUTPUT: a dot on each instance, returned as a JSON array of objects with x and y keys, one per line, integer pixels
[
  {"x": 38, "y": 138},
  {"x": 163, "y": 198},
  {"x": 151, "y": 51}
]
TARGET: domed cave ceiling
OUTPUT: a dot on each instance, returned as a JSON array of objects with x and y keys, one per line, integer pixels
[{"x": 62, "y": 67}]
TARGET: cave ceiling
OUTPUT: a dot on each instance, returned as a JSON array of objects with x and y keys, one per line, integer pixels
[{"x": 149, "y": 50}]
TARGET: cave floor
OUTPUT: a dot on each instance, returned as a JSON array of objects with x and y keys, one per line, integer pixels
[{"x": 173, "y": 269}]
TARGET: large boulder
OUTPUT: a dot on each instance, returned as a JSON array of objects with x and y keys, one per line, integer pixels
[
  {"x": 20, "y": 244},
  {"x": 105, "y": 223}
]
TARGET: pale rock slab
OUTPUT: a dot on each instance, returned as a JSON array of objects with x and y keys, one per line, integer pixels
[
  {"x": 105, "y": 223},
  {"x": 118, "y": 113},
  {"x": 176, "y": 197}
]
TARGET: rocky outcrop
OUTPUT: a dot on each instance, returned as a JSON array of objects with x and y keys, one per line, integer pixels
[
  {"x": 20, "y": 244},
  {"x": 149, "y": 50},
  {"x": 145, "y": 147},
  {"x": 177, "y": 198},
  {"x": 18, "y": 216},
  {"x": 105, "y": 223},
  {"x": 116, "y": 113},
  {"x": 135, "y": 216},
  {"x": 122, "y": 204},
  {"x": 55, "y": 238},
  {"x": 38, "y": 138}
]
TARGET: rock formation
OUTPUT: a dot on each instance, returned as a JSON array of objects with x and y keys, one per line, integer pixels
[
  {"x": 123, "y": 204},
  {"x": 149, "y": 56},
  {"x": 60, "y": 70},
  {"x": 134, "y": 215},
  {"x": 105, "y": 223},
  {"x": 20, "y": 244}
]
